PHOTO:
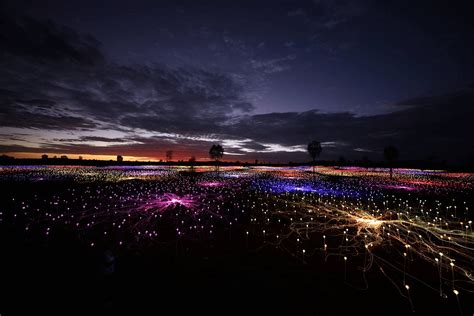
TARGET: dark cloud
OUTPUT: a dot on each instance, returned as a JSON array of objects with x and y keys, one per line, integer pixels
[
  {"x": 70, "y": 86},
  {"x": 58, "y": 87},
  {"x": 324, "y": 16},
  {"x": 45, "y": 41},
  {"x": 14, "y": 114},
  {"x": 430, "y": 126}
]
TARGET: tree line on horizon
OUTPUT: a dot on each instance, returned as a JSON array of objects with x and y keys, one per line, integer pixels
[
  {"x": 314, "y": 149},
  {"x": 216, "y": 153}
]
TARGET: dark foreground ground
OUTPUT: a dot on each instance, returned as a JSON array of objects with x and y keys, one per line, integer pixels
[
  {"x": 67, "y": 278},
  {"x": 63, "y": 275}
]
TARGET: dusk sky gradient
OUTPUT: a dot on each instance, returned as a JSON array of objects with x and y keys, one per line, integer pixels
[{"x": 262, "y": 78}]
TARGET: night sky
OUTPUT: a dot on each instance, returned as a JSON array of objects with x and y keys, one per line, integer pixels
[{"x": 262, "y": 78}]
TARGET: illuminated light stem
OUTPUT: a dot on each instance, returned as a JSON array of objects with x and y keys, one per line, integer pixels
[
  {"x": 365, "y": 258},
  {"x": 404, "y": 267},
  {"x": 247, "y": 239},
  {"x": 409, "y": 297},
  {"x": 345, "y": 268},
  {"x": 440, "y": 275},
  {"x": 456, "y": 293},
  {"x": 452, "y": 273}
]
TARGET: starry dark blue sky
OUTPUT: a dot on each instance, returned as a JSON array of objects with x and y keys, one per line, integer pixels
[{"x": 140, "y": 77}]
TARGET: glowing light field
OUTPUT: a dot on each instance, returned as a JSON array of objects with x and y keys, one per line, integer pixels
[{"x": 414, "y": 232}]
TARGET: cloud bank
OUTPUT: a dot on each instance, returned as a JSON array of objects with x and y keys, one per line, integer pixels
[{"x": 60, "y": 93}]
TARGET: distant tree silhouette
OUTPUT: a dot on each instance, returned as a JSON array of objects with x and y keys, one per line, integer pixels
[
  {"x": 342, "y": 161},
  {"x": 119, "y": 158},
  {"x": 365, "y": 162},
  {"x": 64, "y": 157},
  {"x": 44, "y": 157},
  {"x": 216, "y": 152},
  {"x": 390, "y": 153},
  {"x": 314, "y": 150},
  {"x": 192, "y": 161},
  {"x": 80, "y": 157},
  {"x": 5, "y": 158},
  {"x": 169, "y": 155}
]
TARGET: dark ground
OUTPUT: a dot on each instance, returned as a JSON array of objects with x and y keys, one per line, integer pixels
[
  {"x": 62, "y": 275},
  {"x": 65, "y": 277}
]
